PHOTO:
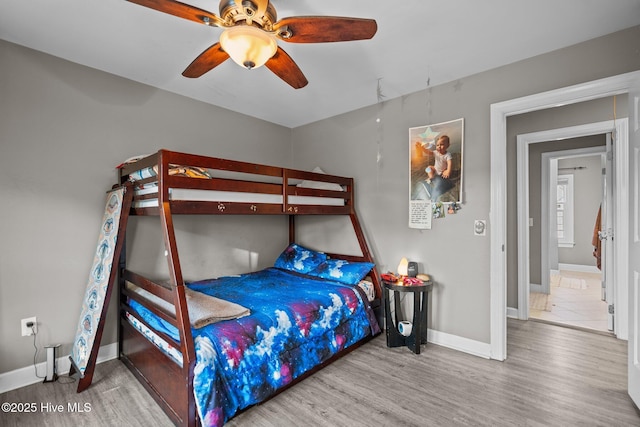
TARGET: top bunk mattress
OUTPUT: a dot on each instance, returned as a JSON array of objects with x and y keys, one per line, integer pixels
[
  {"x": 149, "y": 190},
  {"x": 230, "y": 197}
]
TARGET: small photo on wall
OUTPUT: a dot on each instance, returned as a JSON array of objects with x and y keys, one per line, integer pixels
[{"x": 435, "y": 156}]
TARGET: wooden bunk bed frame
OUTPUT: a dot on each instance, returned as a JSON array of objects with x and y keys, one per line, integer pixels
[{"x": 168, "y": 383}]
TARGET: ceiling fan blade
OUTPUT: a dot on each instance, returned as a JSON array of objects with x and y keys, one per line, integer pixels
[
  {"x": 181, "y": 10},
  {"x": 206, "y": 61},
  {"x": 324, "y": 29},
  {"x": 284, "y": 67}
]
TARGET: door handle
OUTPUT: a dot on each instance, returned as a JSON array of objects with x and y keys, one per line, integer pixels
[{"x": 604, "y": 235}]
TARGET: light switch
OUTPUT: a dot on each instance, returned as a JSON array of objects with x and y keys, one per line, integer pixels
[{"x": 480, "y": 227}]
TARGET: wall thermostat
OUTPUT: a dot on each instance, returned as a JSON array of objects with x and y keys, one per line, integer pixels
[{"x": 480, "y": 227}]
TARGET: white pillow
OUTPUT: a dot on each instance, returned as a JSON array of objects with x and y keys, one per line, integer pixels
[{"x": 320, "y": 185}]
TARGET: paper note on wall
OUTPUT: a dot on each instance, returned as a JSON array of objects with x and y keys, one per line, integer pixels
[{"x": 420, "y": 214}]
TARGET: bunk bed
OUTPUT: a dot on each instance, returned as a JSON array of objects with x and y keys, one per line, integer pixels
[{"x": 317, "y": 300}]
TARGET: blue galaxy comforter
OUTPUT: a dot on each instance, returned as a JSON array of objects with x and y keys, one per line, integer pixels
[{"x": 296, "y": 323}]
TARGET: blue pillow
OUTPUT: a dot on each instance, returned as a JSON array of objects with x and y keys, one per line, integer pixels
[
  {"x": 299, "y": 259},
  {"x": 342, "y": 271}
]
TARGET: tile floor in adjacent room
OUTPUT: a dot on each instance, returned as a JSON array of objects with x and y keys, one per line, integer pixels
[{"x": 574, "y": 301}]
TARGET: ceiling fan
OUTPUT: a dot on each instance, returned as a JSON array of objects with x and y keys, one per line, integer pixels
[{"x": 250, "y": 32}]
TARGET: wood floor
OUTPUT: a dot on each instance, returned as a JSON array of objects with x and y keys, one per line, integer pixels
[{"x": 553, "y": 376}]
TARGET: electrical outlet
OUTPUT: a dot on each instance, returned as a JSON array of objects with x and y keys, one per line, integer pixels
[{"x": 27, "y": 330}]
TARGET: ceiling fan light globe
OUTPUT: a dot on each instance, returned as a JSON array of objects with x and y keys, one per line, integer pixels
[{"x": 248, "y": 46}]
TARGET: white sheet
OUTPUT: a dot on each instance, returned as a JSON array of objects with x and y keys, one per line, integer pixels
[{"x": 229, "y": 196}]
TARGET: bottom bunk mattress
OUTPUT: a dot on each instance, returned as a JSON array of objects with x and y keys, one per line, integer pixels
[{"x": 296, "y": 323}]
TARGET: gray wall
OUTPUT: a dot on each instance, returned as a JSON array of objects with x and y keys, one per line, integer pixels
[
  {"x": 63, "y": 129},
  {"x": 457, "y": 260},
  {"x": 55, "y": 117}
]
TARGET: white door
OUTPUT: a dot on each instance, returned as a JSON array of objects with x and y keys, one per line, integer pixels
[
  {"x": 606, "y": 231},
  {"x": 634, "y": 243}
]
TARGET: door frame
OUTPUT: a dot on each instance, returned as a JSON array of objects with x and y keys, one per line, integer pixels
[
  {"x": 621, "y": 128},
  {"x": 601, "y": 88},
  {"x": 549, "y": 179}
]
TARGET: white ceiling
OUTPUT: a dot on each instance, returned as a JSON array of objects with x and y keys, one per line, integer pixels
[{"x": 418, "y": 43}]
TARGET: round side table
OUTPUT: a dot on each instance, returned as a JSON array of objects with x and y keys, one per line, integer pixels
[{"x": 420, "y": 305}]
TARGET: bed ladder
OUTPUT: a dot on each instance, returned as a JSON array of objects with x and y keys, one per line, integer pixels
[{"x": 86, "y": 344}]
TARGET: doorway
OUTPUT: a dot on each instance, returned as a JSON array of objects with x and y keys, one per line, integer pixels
[
  {"x": 548, "y": 259},
  {"x": 567, "y": 194},
  {"x": 500, "y": 111}
]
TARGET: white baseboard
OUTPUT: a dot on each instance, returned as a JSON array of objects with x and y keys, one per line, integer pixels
[
  {"x": 455, "y": 342},
  {"x": 535, "y": 287},
  {"x": 512, "y": 313},
  {"x": 580, "y": 268},
  {"x": 26, "y": 376}
]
